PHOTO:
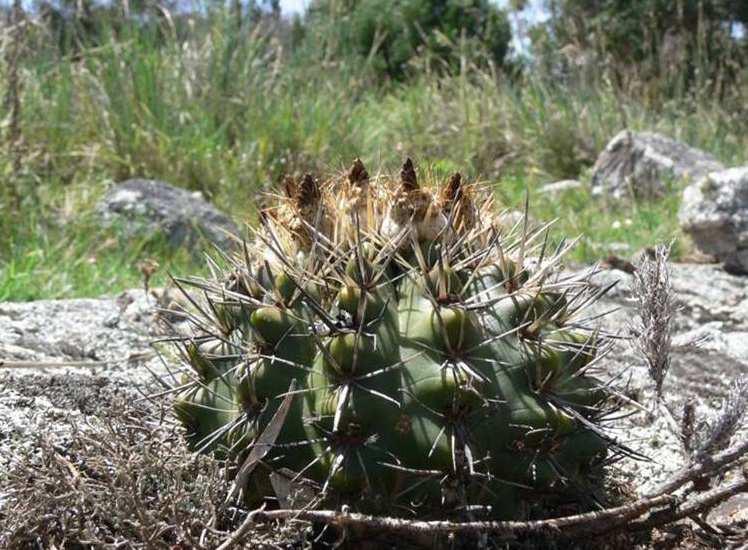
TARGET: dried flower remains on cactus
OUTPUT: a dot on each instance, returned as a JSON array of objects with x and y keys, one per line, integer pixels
[{"x": 384, "y": 341}]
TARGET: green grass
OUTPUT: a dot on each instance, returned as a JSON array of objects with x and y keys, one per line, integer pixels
[
  {"x": 604, "y": 229},
  {"x": 229, "y": 116},
  {"x": 81, "y": 259}
]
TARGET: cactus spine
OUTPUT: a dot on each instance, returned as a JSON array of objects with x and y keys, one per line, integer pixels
[{"x": 387, "y": 341}]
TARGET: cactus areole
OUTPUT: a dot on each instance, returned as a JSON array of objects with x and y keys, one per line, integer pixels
[{"x": 384, "y": 340}]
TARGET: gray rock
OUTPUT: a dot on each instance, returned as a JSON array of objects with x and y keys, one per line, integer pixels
[
  {"x": 706, "y": 297},
  {"x": 714, "y": 337},
  {"x": 151, "y": 206},
  {"x": 709, "y": 352},
  {"x": 619, "y": 282},
  {"x": 642, "y": 163},
  {"x": 39, "y": 398},
  {"x": 559, "y": 187},
  {"x": 714, "y": 212},
  {"x": 64, "y": 362}
]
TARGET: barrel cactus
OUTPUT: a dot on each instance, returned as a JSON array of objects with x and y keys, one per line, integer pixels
[{"x": 398, "y": 346}]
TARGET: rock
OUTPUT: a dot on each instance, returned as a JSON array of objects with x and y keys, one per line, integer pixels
[
  {"x": 107, "y": 340},
  {"x": 151, "y": 206},
  {"x": 705, "y": 294},
  {"x": 641, "y": 163},
  {"x": 714, "y": 212},
  {"x": 111, "y": 358},
  {"x": 73, "y": 330},
  {"x": 714, "y": 337},
  {"x": 558, "y": 187},
  {"x": 709, "y": 352},
  {"x": 617, "y": 281}
]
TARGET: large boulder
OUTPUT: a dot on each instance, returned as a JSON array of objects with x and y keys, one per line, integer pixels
[
  {"x": 150, "y": 206},
  {"x": 640, "y": 164},
  {"x": 714, "y": 212}
]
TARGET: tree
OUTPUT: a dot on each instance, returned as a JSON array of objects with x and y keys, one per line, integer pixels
[
  {"x": 77, "y": 24},
  {"x": 391, "y": 33},
  {"x": 653, "y": 39}
]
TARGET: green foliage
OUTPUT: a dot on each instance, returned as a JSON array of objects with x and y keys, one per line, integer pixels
[
  {"x": 634, "y": 30},
  {"x": 74, "y": 26},
  {"x": 228, "y": 110},
  {"x": 399, "y": 350},
  {"x": 389, "y": 35},
  {"x": 49, "y": 257},
  {"x": 682, "y": 46}
]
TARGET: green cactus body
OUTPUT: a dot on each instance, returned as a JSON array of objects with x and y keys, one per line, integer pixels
[{"x": 431, "y": 370}]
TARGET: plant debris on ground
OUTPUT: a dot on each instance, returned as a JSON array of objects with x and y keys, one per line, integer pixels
[{"x": 124, "y": 480}]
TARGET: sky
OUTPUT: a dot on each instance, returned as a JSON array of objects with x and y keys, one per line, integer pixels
[
  {"x": 298, "y": 6},
  {"x": 293, "y": 6},
  {"x": 533, "y": 13}
]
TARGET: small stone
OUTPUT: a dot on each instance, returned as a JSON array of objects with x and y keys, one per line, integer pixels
[
  {"x": 558, "y": 187},
  {"x": 112, "y": 321}
]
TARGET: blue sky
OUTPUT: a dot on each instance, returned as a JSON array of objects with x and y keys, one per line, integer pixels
[{"x": 293, "y": 6}]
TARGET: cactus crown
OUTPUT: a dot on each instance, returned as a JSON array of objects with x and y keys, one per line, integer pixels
[{"x": 389, "y": 343}]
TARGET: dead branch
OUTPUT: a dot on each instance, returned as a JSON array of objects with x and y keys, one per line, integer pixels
[
  {"x": 705, "y": 467},
  {"x": 238, "y": 536},
  {"x": 660, "y": 510},
  {"x": 699, "y": 504},
  {"x": 579, "y": 524}
]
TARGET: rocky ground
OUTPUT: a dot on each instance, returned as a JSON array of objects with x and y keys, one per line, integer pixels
[
  {"x": 710, "y": 351},
  {"x": 106, "y": 339},
  {"x": 108, "y": 342}
]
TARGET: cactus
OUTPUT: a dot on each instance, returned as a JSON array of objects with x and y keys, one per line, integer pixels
[{"x": 390, "y": 342}]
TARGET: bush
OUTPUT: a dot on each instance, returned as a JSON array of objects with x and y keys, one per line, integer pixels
[
  {"x": 390, "y": 34},
  {"x": 671, "y": 47}
]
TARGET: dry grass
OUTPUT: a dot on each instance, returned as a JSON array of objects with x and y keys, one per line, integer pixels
[
  {"x": 656, "y": 309},
  {"x": 126, "y": 481}
]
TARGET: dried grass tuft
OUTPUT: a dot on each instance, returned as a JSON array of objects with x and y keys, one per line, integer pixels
[
  {"x": 127, "y": 481},
  {"x": 656, "y": 310},
  {"x": 725, "y": 424}
]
